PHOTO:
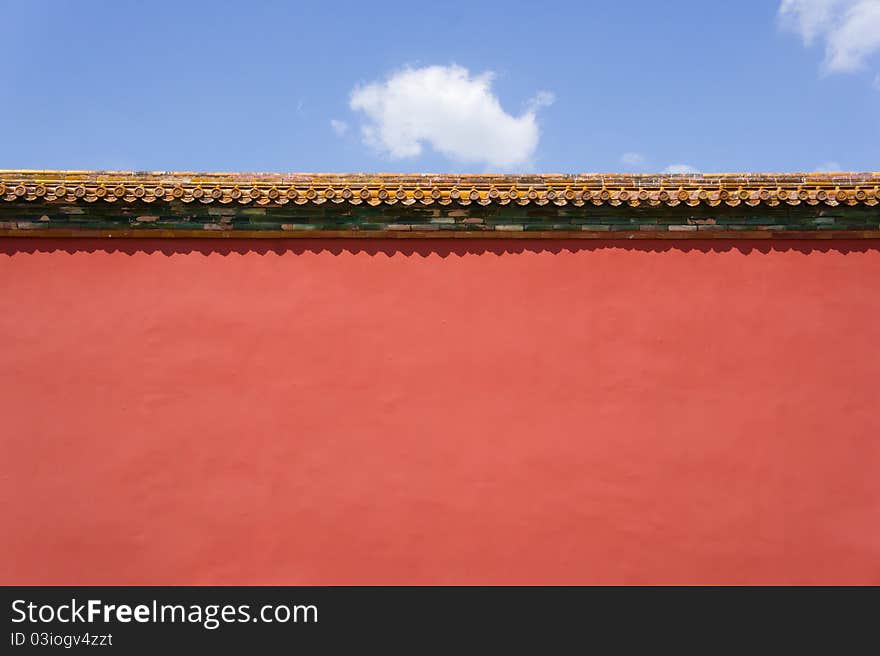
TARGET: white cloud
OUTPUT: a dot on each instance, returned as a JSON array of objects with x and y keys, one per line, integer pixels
[
  {"x": 850, "y": 29},
  {"x": 632, "y": 160},
  {"x": 809, "y": 18},
  {"x": 681, "y": 168},
  {"x": 827, "y": 167},
  {"x": 452, "y": 111},
  {"x": 339, "y": 127},
  {"x": 542, "y": 99}
]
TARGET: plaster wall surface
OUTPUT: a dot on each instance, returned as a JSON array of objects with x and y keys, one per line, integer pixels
[{"x": 363, "y": 411}]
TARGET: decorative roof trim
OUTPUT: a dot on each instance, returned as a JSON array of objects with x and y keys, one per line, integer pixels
[
  {"x": 262, "y": 189},
  {"x": 586, "y": 233}
]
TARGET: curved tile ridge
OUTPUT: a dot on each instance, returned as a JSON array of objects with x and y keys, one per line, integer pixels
[{"x": 730, "y": 189}]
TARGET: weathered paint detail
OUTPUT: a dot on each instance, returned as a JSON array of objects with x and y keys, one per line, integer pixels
[{"x": 177, "y": 219}]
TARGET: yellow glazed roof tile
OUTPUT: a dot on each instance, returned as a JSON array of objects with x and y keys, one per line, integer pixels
[{"x": 731, "y": 189}]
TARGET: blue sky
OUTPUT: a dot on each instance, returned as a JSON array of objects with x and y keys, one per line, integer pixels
[{"x": 718, "y": 86}]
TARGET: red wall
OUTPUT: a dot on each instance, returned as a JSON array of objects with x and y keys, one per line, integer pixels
[{"x": 439, "y": 412}]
